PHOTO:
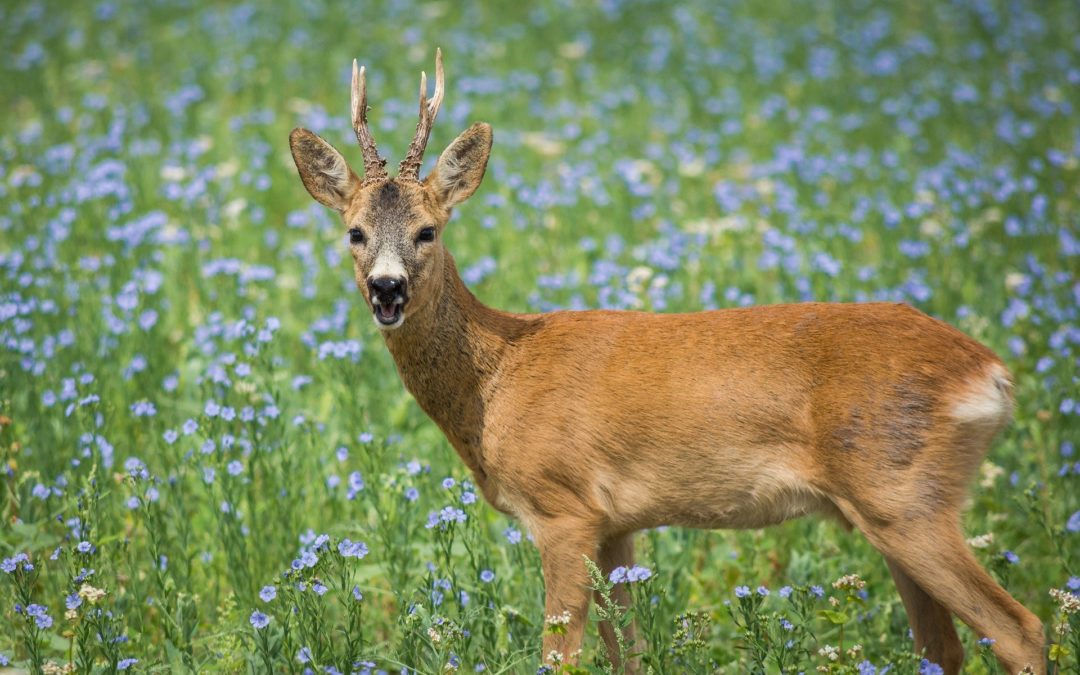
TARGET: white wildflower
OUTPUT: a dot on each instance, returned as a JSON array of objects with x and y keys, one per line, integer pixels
[
  {"x": 829, "y": 652},
  {"x": 91, "y": 594},
  {"x": 1070, "y": 602},
  {"x": 981, "y": 541},
  {"x": 850, "y": 582}
]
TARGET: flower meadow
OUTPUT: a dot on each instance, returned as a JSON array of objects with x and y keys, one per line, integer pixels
[{"x": 209, "y": 463}]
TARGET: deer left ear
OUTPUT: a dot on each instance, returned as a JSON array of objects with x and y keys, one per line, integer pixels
[
  {"x": 325, "y": 172},
  {"x": 461, "y": 166}
]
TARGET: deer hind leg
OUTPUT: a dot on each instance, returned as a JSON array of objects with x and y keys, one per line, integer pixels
[
  {"x": 931, "y": 552},
  {"x": 931, "y": 623},
  {"x": 615, "y": 552}
]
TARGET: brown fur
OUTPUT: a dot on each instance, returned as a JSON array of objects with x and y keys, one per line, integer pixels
[{"x": 588, "y": 426}]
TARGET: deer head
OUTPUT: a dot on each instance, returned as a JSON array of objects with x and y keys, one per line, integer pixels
[{"x": 394, "y": 225}]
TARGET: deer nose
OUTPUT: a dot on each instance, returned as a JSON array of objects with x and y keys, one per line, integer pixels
[{"x": 386, "y": 287}]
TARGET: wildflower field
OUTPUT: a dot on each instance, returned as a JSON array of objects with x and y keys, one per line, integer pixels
[{"x": 209, "y": 463}]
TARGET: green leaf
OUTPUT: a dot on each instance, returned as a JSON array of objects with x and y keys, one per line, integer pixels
[
  {"x": 1058, "y": 652},
  {"x": 834, "y": 617}
]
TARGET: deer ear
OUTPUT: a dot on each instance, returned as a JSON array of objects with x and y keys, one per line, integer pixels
[
  {"x": 325, "y": 172},
  {"x": 461, "y": 166}
]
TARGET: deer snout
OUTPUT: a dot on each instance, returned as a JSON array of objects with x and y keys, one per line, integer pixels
[
  {"x": 388, "y": 296},
  {"x": 386, "y": 288}
]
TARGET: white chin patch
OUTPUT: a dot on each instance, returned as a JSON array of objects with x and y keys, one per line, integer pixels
[
  {"x": 389, "y": 315},
  {"x": 390, "y": 326}
]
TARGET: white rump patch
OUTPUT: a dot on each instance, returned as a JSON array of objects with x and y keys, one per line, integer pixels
[{"x": 987, "y": 399}]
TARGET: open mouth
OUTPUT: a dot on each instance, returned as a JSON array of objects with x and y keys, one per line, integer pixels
[{"x": 388, "y": 313}]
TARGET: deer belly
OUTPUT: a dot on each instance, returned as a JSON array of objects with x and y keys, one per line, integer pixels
[{"x": 731, "y": 497}]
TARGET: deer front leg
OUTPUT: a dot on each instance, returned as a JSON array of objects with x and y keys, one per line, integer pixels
[
  {"x": 615, "y": 552},
  {"x": 563, "y": 544}
]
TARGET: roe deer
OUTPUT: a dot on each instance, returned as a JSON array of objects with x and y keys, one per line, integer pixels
[{"x": 590, "y": 425}]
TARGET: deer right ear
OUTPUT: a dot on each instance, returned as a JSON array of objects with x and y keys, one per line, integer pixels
[{"x": 325, "y": 172}]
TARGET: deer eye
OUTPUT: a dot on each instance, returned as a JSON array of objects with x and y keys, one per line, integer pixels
[
  {"x": 356, "y": 236},
  {"x": 426, "y": 234}
]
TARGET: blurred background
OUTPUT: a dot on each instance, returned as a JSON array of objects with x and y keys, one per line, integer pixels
[{"x": 191, "y": 390}]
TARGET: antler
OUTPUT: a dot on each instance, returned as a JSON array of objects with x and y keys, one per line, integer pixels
[
  {"x": 374, "y": 166},
  {"x": 410, "y": 166}
]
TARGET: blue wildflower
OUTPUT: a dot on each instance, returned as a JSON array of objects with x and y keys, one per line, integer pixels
[
  {"x": 143, "y": 409},
  {"x": 928, "y": 667},
  {"x": 1073, "y": 524},
  {"x": 638, "y": 573},
  {"x": 259, "y": 620},
  {"x": 40, "y": 616},
  {"x": 352, "y": 549},
  {"x": 268, "y": 593},
  {"x": 9, "y": 565},
  {"x": 618, "y": 575}
]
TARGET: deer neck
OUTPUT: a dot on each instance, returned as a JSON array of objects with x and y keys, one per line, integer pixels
[{"x": 448, "y": 353}]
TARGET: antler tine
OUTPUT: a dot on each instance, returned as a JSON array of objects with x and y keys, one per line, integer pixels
[
  {"x": 440, "y": 85},
  {"x": 429, "y": 109},
  {"x": 374, "y": 166}
]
